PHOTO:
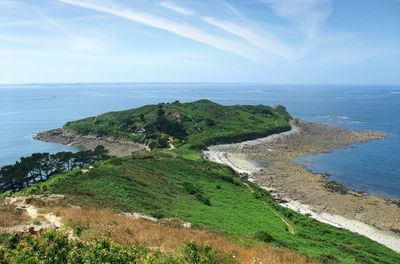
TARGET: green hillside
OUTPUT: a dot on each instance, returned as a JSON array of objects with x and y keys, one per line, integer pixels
[
  {"x": 210, "y": 196},
  {"x": 179, "y": 184},
  {"x": 197, "y": 124}
]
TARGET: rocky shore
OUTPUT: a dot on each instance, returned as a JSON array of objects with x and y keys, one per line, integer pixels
[
  {"x": 269, "y": 163},
  {"x": 114, "y": 146}
]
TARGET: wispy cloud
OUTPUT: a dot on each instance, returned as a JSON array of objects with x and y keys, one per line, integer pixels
[
  {"x": 262, "y": 40},
  {"x": 179, "y": 28},
  {"x": 227, "y": 27},
  {"x": 308, "y": 15},
  {"x": 47, "y": 21},
  {"x": 179, "y": 9}
]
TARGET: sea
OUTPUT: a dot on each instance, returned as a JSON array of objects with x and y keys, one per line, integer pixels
[{"x": 372, "y": 167}]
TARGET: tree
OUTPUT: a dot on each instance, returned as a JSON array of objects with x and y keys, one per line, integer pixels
[
  {"x": 163, "y": 142},
  {"x": 210, "y": 122},
  {"x": 100, "y": 153},
  {"x": 41, "y": 166},
  {"x": 150, "y": 129}
]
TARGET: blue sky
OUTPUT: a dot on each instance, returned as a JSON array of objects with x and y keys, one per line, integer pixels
[{"x": 269, "y": 41}]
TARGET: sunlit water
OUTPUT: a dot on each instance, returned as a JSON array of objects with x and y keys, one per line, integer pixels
[{"x": 373, "y": 167}]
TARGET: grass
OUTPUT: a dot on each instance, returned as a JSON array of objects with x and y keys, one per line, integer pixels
[
  {"x": 231, "y": 213},
  {"x": 11, "y": 216},
  {"x": 55, "y": 247},
  {"x": 100, "y": 223},
  {"x": 192, "y": 125},
  {"x": 165, "y": 185}
]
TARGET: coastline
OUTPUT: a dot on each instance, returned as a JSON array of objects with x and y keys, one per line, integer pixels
[
  {"x": 115, "y": 147},
  {"x": 291, "y": 184},
  {"x": 269, "y": 163}
]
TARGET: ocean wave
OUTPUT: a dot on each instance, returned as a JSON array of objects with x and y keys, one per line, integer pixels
[
  {"x": 13, "y": 113},
  {"x": 338, "y": 117},
  {"x": 395, "y": 92}
]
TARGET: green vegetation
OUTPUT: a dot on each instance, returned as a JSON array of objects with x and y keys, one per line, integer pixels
[
  {"x": 195, "y": 125},
  {"x": 181, "y": 185},
  {"x": 163, "y": 185},
  {"x": 41, "y": 166},
  {"x": 55, "y": 248}
]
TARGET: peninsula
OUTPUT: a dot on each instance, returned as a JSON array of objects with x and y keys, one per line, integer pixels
[{"x": 162, "y": 178}]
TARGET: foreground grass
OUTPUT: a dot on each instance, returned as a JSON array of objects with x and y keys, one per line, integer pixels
[
  {"x": 209, "y": 195},
  {"x": 167, "y": 236},
  {"x": 54, "y": 247}
]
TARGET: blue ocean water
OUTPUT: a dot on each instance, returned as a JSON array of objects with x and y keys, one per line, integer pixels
[{"x": 372, "y": 167}]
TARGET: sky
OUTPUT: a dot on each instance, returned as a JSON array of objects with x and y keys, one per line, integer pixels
[{"x": 262, "y": 41}]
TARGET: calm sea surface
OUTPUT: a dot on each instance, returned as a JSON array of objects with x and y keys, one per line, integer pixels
[{"x": 373, "y": 167}]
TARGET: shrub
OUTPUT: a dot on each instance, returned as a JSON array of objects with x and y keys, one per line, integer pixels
[
  {"x": 202, "y": 199},
  {"x": 263, "y": 236},
  {"x": 190, "y": 188},
  {"x": 203, "y": 254},
  {"x": 197, "y": 192},
  {"x": 55, "y": 248},
  {"x": 210, "y": 122}
]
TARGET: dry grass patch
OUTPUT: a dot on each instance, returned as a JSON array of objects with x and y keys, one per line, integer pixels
[
  {"x": 91, "y": 224},
  {"x": 11, "y": 216}
]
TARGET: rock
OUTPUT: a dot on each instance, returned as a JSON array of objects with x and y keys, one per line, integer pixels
[
  {"x": 114, "y": 146},
  {"x": 141, "y": 216},
  {"x": 175, "y": 222}
]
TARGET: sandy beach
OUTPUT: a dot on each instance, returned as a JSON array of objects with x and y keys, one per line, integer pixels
[{"x": 269, "y": 163}]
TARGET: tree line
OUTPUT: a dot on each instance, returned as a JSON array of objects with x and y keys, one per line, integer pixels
[{"x": 41, "y": 166}]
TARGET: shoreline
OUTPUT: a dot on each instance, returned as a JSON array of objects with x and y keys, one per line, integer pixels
[
  {"x": 115, "y": 147},
  {"x": 301, "y": 190}
]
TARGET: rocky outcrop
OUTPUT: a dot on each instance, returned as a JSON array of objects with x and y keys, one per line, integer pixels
[
  {"x": 115, "y": 147},
  {"x": 173, "y": 222}
]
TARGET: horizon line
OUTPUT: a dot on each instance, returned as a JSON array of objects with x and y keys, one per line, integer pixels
[{"x": 196, "y": 82}]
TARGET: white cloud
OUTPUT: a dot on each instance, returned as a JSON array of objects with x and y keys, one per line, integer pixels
[
  {"x": 227, "y": 28},
  {"x": 46, "y": 21},
  {"x": 261, "y": 40},
  {"x": 308, "y": 15},
  {"x": 179, "y": 28},
  {"x": 176, "y": 8}
]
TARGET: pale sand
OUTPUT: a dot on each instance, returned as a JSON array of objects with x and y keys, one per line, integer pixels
[{"x": 239, "y": 161}]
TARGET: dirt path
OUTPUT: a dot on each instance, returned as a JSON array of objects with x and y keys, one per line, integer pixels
[
  {"x": 39, "y": 220},
  {"x": 290, "y": 228}
]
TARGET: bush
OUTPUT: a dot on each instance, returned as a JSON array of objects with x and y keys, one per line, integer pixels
[
  {"x": 55, "y": 248},
  {"x": 263, "y": 236},
  {"x": 202, "y": 199},
  {"x": 163, "y": 141},
  {"x": 190, "y": 188},
  {"x": 210, "y": 122},
  {"x": 203, "y": 254},
  {"x": 197, "y": 192}
]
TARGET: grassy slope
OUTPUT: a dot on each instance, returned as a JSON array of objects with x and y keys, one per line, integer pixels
[
  {"x": 162, "y": 185},
  {"x": 207, "y": 194},
  {"x": 225, "y": 123}
]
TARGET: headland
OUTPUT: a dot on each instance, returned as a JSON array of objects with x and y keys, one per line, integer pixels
[{"x": 116, "y": 147}]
